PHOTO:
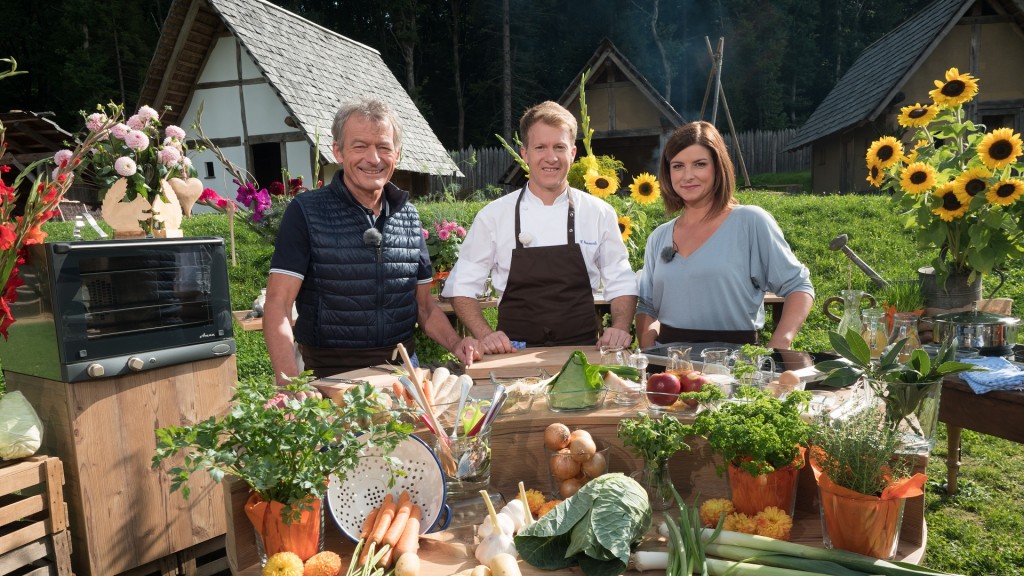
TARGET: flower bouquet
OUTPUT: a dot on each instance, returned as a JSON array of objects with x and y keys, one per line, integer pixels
[
  {"x": 958, "y": 184},
  {"x": 443, "y": 244}
]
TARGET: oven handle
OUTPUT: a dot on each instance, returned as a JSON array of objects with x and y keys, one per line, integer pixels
[{"x": 65, "y": 247}]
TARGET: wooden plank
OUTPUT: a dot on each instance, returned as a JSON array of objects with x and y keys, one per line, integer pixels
[
  {"x": 528, "y": 361},
  {"x": 55, "y": 493}
]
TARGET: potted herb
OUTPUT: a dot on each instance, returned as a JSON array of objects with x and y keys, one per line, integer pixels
[
  {"x": 901, "y": 297},
  {"x": 910, "y": 391},
  {"x": 285, "y": 449},
  {"x": 763, "y": 440},
  {"x": 862, "y": 482},
  {"x": 748, "y": 362},
  {"x": 655, "y": 440}
]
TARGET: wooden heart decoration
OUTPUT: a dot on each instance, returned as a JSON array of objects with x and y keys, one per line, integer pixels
[{"x": 188, "y": 192}]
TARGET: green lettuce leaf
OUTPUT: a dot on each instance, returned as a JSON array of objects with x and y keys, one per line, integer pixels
[{"x": 579, "y": 383}]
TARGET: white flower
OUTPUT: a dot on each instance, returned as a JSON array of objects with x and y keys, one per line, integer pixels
[
  {"x": 525, "y": 238},
  {"x": 95, "y": 121},
  {"x": 125, "y": 166},
  {"x": 169, "y": 156},
  {"x": 120, "y": 130},
  {"x": 173, "y": 131},
  {"x": 186, "y": 162},
  {"x": 61, "y": 157},
  {"x": 136, "y": 140},
  {"x": 148, "y": 114}
]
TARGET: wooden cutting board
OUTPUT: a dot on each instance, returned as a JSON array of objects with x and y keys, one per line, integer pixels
[{"x": 529, "y": 361}]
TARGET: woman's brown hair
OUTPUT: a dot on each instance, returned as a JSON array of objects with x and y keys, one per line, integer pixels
[{"x": 705, "y": 134}]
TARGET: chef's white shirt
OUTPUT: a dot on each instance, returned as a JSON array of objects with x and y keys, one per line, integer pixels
[{"x": 487, "y": 248}]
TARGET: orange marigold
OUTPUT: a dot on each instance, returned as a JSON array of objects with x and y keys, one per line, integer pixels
[
  {"x": 324, "y": 563},
  {"x": 773, "y": 523},
  {"x": 740, "y": 522},
  {"x": 535, "y": 499},
  {"x": 712, "y": 510},
  {"x": 547, "y": 507}
]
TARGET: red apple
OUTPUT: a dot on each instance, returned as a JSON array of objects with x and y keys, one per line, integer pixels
[
  {"x": 667, "y": 387},
  {"x": 693, "y": 382}
]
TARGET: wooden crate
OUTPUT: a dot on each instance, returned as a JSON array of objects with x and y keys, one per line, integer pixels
[
  {"x": 205, "y": 559},
  {"x": 34, "y": 536}
]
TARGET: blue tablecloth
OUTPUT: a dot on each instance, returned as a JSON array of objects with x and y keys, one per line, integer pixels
[{"x": 1001, "y": 375}]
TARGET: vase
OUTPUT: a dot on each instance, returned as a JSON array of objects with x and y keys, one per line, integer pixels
[
  {"x": 956, "y": 293},
  {"x": 858, "y": 523},
  {"x": 125, "y": 218},
  {"x": 304, "y": 536},
  {"x": 752, "y": 494},
  {"x": 913, "y": 409},
  {"x": 657, "y": 482}
]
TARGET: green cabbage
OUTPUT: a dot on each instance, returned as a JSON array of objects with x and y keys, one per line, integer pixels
[{"x": 595, "y": 528}]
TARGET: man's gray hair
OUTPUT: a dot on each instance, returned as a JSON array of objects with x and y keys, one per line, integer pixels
[{"x": 373, "y": 109}]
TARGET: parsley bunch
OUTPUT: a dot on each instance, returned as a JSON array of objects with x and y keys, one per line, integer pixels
[{"x": 654, "y": 440}]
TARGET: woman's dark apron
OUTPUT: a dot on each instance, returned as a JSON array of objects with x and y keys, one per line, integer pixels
[{"x": 548, "y": 300}]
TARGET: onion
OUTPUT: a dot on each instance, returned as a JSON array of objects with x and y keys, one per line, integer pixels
[
  {"x": 582, "y": 447},
  {"x": 563, "y": 466},
  {"x": 596, "y": 466},
  {"x": 570, "y": 487},
  {"x": 556, "y": 436}
]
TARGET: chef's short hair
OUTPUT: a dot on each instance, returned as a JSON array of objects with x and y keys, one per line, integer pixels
[{"x": 550, "y": 113}]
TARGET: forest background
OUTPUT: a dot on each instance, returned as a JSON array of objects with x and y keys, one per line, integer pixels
[{"x": 781, "y": 57}]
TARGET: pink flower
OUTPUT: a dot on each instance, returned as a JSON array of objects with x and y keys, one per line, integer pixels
[
  {"x": 461, "y": 232},
  {"x": 261, "y": 203},
  {"x": 186, "y": 163},
  {"x": 62, "y": 157},
  {"x": 136, "y": 122},
  {"x": 95, "y": 121},
  {"x": 173, "y": 131},
  {"x": 125, "y": 166},
  {"x": 426, "y": 233},
  {"x": 222, "y": 203},
  {"x": 120, "y": 130},
  {"x": 168, "y": 156},
  {"x": 443, "y": 234},
  {"x": 208, "y": 195},
  {"x": 148, "y": 114},
  {"x": 137, "y": 140}
]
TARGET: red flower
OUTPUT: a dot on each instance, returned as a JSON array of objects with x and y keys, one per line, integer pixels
[
  {"x": 6, "y": 319},
  {"x": 295, "y": 186},
  {"x": 276, "y": 189},
  {"x": 7, "y": 236},
  {"x": 5, "y": 169}
]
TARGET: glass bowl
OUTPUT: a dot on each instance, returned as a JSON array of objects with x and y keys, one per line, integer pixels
[
  {"x": 522, "y": 391},
  {"x": 575, "y": 401},
  {"x": 663, "y": 402}
]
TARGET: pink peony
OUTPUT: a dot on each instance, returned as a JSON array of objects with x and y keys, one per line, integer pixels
[
  {"x": 137, "y": 140},
  {"x": 95, "y": 121},
  {"x": 426, "y": 233},
  {"x": 443, "y": 234},
  {"x": 125, "y": 166},
  {"x": 173, "y": 131},
  {"x": 120, "y": 130},
  {"x": 148, "y": 114},
  {"x": 136, "y": 122},
  {"x": 461, "y": 232},
  {"x": 168, "y": 156},
  {"x": 62, "y": 157}
]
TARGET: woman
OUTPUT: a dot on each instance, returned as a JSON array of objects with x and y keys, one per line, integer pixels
[{"x": 706, "y": 271}]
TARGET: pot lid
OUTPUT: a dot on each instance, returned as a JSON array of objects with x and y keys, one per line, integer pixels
[{"x": 976, "y": 317}]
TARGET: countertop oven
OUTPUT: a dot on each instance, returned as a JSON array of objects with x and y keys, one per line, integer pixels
[{"x": 109, "y": 308}]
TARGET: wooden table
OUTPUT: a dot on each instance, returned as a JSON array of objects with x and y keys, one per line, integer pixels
[
  {"x": 998, "y": 414},
  {"x": 518, "y": 454}
]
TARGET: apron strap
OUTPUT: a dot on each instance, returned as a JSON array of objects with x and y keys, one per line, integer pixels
[{"x": 570, "y": 222}]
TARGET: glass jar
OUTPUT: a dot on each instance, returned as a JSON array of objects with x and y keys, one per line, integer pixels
[
  {"x": 904, "y": 325},
  {"x": 657, "y": 482},
  {"x": 874, "y": 331}
]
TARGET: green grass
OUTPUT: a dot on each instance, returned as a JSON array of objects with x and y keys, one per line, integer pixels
[{"x": 976, "y": 532}]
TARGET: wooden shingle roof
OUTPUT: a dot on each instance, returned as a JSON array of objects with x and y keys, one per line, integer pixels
[
  {"x": 312, "y": 69},
  {"x": 871, "y": 83}
]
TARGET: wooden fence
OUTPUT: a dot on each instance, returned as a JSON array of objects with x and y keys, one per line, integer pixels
[{"x": 762, "y": 152}]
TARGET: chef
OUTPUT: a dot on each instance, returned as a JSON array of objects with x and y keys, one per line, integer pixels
[{"x": 547, "y": 248}]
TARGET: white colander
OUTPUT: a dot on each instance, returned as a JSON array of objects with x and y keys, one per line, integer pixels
[{"x": 363, "y": 489}]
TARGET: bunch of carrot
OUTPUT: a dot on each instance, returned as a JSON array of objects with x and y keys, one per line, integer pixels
[{"x": 391, "y": 533}]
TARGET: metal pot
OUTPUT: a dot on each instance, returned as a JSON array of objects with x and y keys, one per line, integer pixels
[{"x": 992, "y": 334}]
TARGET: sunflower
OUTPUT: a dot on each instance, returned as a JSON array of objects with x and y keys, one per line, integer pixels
[
  {"x": 885, "y": 152},
  {"x": 625, "y": 227},
  {"x": 917, "y": 115},
  {"x": 999, "y": 148},
  {"x": 917, "y": 178},
  {"x": 645, "y": 188},
  {"x": 953, "y": 205},
  {"x": 957, "y": 89},
  {"x": 912, "y": 157},
  {"x": 1005, "y": 192},
  {"x": 601, "y": 185},
  {"x": 874, "y": 175},
  {"x": 973, "y": 181}
]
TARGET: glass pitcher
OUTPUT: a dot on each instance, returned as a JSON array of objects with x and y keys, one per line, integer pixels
[
  {"x": 852, "y": 301},
  {"x": 904, "y": 325},
  {"x": 874, "y": 331},
  {"x": 679, "y": 360}
]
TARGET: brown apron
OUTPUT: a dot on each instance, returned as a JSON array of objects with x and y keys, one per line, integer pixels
[
  {"x": 548, "y": 300},
  {"x": 668, "y": 334},
  {"x": 331, "y": 361}
]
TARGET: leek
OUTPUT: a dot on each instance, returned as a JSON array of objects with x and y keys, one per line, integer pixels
[
  {"x": 718, "y": 567},
  {"x": 762, "y": 545},
  {"x": 750, "y": 555}
]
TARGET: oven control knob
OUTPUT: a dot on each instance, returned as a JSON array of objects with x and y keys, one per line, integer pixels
[
  {"x": 136, "y": 364},
  {"x": 95, "y": 370}
]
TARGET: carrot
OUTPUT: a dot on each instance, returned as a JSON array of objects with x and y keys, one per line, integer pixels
[
  {"x": 368, "y": 523},
  {"x": 384, "y": 518},
  {"x": 409, "y": 542},
  {"x": 401, "y": 517}
]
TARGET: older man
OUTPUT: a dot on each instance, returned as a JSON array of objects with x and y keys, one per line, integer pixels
[
  {"x": 547, "y": 248},
  {"x": 351, "y": 256}
]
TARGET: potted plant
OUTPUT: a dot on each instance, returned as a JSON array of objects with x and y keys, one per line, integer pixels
[
  {"x": 909, "y": 391},
  {"x": 284, "y": 444},
  {"x": 763, "y": 440},
  {"x": 655, "y": 440},
  {"x": 901, "y": 297},
  {"x": 862, "y": 482}
]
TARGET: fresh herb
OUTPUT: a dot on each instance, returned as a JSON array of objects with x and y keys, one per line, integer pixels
[
  {"x": 902, "y": 296},
  {"x": 595, "y": 528},
  {"x": 758, "y": 433},
  {"x": 857, "y": 453},
  {"x": 748, "y": 361},
  {"x": 653, "y": 439},
  {"x": 579, "y": 383}
]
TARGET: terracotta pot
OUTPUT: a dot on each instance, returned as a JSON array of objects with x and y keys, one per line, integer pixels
[
  {"x": 751, "y": 494},
  {"x": 303, "y": 536}
]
